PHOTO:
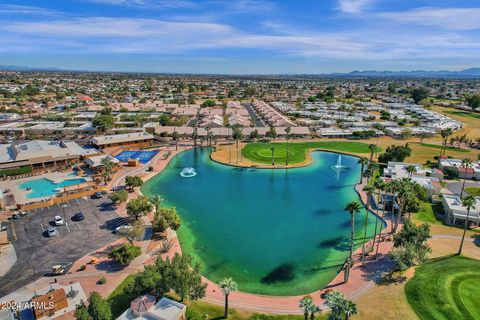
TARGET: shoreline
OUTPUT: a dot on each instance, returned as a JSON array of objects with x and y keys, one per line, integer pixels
[{"x": 264, "y": 303}]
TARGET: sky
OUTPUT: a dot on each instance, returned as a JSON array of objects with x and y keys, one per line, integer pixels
[{"x": 241, "y": 36}]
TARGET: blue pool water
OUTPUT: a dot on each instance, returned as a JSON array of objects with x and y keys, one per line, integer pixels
[
  {"x": 143, "y": 156},
  {"x": 41, "y": 188}
]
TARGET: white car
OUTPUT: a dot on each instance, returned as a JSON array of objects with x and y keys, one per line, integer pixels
[
  {"x": 58, "y": 221},
  {"x": 123, "y": 228}
]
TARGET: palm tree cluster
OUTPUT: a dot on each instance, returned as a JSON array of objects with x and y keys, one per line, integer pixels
[
  {"x": 368, "y": 168},
  {"x": 463, "y": 139},
  {"x": 445, "y": 133},
  {"x": 340, "y": 305},
  {"x": 308, "y": 307}
]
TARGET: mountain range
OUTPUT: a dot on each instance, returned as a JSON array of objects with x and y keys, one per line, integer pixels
[{"x": 466, "y": 73}]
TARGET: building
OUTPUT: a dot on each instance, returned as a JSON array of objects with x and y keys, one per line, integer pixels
[
  {"x": 146, "y": 308},
  {"x": 41, "y": 154},
  {"x": 472, "y": 172},
  {"x": 456, "y": 212},
  {"x": 49, "y": 303},
  {"x": 127, "y": 140}
]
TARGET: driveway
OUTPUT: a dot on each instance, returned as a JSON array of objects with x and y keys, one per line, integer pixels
[
  {"x": 456, "y": 187},
  {"x": 37, "y": 253}
]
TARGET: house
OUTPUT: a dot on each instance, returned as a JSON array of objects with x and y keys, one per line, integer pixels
[
  {"x": 472, "y": 172},
  {"x": 146, "y": 308},
  {"x": 46, "y": 305},
  {"x": 456, "y": 212},
  {"x": 134, "y": 139}
]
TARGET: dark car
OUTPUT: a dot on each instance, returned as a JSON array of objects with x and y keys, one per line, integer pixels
[
  {"x": 97, "y": 195},
  {"x": 78, "y": 217}
]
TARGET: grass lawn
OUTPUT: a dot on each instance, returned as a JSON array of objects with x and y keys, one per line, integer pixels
[
  {"x": 446, "y": 289},
  {"x": 437, "y": 146},
  {"x": 427, "y": 214},
  {"x": 464, "y": 114},
  {"x": 261, "y": 153},
  {"x": 474, "y": 191},
  {"x": 119, "y": 299},
  {"x": 200, "y": 310}
]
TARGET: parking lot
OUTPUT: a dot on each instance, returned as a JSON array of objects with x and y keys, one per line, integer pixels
[{"x": 37, "y": 253}]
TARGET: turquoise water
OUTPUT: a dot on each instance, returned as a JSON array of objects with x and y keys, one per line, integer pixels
[
  {"x": 41, "y": 188},
  {"x": 276, "y": 232},
  {"x": 143, "y": 156}
]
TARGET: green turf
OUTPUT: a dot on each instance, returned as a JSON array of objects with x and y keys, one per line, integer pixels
[
  {"x": 120, "y": 299},
  {"x": 437, "y": 146},
  {"x": 445, "y": 289},
  {"x": 474, "y": 191},
  {"x": 427, "y": 214},
  {"x": 464, "y": 114},
  {"x": 261, "y": 153}
]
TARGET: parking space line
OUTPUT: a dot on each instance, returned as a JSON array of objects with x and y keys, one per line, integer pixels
[
  {"x": 41, "y": 225},
  {"x": 66, "y": 225}
]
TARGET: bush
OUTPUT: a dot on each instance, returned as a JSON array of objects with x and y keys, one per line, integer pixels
[
  {"x": 82, "y": 267},
  {"x": 125, "y": 254},
  {"x": 17, "y": 171},
  {"x": 102, "y": 280},
  {"x": 450, "y": 173}
]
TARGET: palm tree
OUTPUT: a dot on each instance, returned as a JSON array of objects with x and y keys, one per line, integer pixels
[
  {"x": 314, "y": 309},
  {"x": 363, "y": 162},
  {"x": 228, "y": 286},
  {"x": 305, "y": 304},
  {"x": 175, "y": 138},
  {"x": 273, "y": 155},
  {"x": 372, "y": 148},
  {"x": 195, "y": 136},
  {"x": 468, "y": 202},
  {"x": 349, "y": 308},
  {"x": 368, "y": 190},
  {"x": 156, "y": 201},
  {"x": 108, "y": 165},
  {"x": 445, "y": 133},
  {"x": 288, "y": 130},
  {"x": 237, "y": 135},
  {"x": 372, "y": 167},
  {"x": 411, "y": 169},
  {"x": 353, "y": 208},
  {"x": 209, "y": 136},
  {"x": 466, "y": 164},
  {"x": 335, "y": 301}
]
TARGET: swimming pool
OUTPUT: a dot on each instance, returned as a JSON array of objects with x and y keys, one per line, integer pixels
[
  {"x": 41, "y": 188},
  {"x": 143, "y": 156}
]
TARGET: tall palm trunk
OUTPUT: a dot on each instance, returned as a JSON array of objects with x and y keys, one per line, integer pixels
[
  {"x": 225, "y": 315},
  {"x": 465, "y": 227},
  {"x": 463, "y": 184},
  {"x": 365, "y": 229}
]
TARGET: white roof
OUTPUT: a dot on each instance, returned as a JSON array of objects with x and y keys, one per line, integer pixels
[{"x": 118, "y": 138}]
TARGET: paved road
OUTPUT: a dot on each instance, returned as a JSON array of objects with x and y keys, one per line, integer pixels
[
  {"x": 36, "y": 254},
  {"x": 256, "y": 119},
  {"x": 456, "y": 187}
]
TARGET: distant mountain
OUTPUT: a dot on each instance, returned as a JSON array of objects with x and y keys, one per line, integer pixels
[
  {"x": 24, "y": 68},
  {"x": 467, "y": 73}
]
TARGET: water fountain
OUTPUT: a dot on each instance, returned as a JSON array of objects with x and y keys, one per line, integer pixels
[
  {"x": 339, "y": 165},
  {"x": 188, "y": 172}
]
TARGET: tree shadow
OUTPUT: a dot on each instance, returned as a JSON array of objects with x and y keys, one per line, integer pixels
[
  {"x": 332, "y": 242},
  {"x": 283, "y": 273}
]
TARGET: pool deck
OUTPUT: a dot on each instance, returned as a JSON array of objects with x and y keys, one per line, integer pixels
[{"x": 21, "y": 195}]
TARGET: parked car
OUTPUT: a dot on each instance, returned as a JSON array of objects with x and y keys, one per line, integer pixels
[
  {"x": 122, "y": 228},
  {"x": 51, "y": 232},
  {"x": 58, "y": 221},
  {"x": 78, "y": 217},
  {"x": 16, "y": 216},
  {"x": 97, "y": 195}
]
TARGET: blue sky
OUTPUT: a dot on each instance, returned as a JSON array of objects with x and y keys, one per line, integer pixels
[{"x": 243, "y": 36}]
